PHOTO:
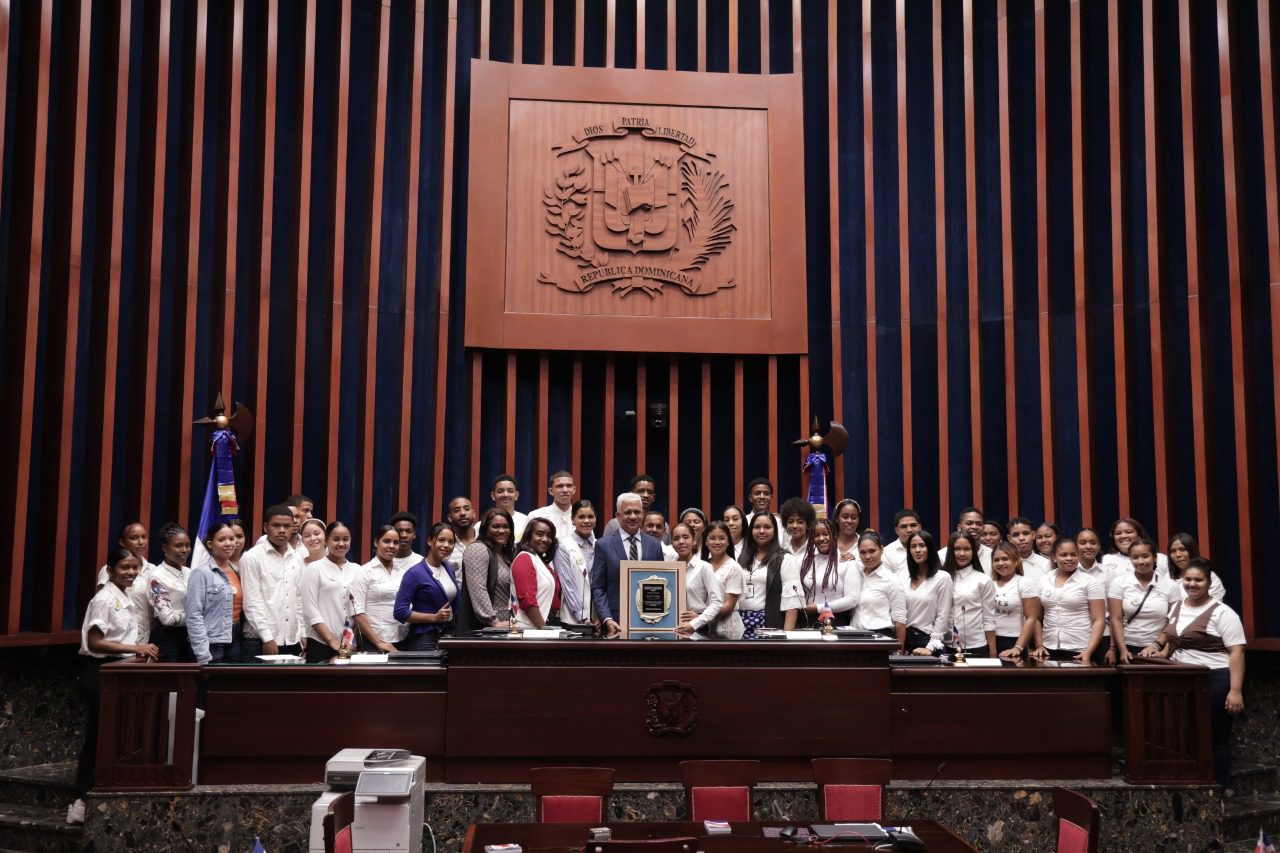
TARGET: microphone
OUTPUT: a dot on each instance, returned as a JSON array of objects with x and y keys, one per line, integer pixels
[{"x": 936, "y": 773}]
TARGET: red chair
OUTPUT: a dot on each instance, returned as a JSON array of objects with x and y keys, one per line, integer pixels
[
  {"x": 851, "y": 789},
  {"x": 1078, "y": 821},
  {"x": 337, "y": 823},
  {"x": 571, "y": 794},
  {"x": 719, "y": 790}
]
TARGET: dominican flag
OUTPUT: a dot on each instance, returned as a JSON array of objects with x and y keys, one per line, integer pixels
[
  {"x": 220, "y": 501},
  {"x": 1264, "y": 843}
]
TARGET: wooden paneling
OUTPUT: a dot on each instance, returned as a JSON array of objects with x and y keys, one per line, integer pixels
[{"x": 971, "y": 244}]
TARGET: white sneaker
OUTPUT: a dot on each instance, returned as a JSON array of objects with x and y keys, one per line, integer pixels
[{"x": 75, "y": 812}]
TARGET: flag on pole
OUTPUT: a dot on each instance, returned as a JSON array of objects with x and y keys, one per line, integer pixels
[{"x": 220, "y": 501}]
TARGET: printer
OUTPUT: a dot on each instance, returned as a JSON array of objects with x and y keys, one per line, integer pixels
[{"x": 387, "y": 785}]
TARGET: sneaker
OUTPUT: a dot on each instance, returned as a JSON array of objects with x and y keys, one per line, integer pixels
[{"x": 75, "y": 812}]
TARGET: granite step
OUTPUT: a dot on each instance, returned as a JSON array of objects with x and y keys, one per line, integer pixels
[
  {"x": 1249, "y": 778},
  {"x": 1244, "y": 816},
  {"x": 39, "y": 785},
  {"x": 40, "y": 829}
]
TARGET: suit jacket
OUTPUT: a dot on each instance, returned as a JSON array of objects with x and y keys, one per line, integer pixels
[{"x": 605, "y": 567}]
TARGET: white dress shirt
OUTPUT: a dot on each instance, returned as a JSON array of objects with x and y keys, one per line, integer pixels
[
  {"x": 881, "y": 600},
  {"x": 562, "y": 519},
  {"x": 984, "y": 557},
  {"x": 160, "y": 592},
  {"x": 929, "y": 607},
  {"x": 1143, "y": 615},
  {"x": 1067, "y": 622},
  {"x": 1008, "y": 603},
  {"x": 272, "y": 584},
  {"x": 111, "y": 612},
  {"x": 326, "y": 596},
  {"x": 1105, "y": 574},
  {"x": 839, "y": 592},
  {"x": 894, "y": 558},
  {"x": 702, "y": 592},
  {"x": 374, "y": 591},
  {"x": 973, "y": 606},
  {"x": 1036, "y": 567},
  {"x": 792, "y": 594}
]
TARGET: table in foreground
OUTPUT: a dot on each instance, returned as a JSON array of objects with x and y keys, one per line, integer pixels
[{"x": 746, "y": 837}]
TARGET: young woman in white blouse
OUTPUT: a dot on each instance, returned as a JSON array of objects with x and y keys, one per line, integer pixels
[
  {"x": 109, "y": 633},
  {"x": 1046, "y": 534},
  {"x": 374, "y": 592},
  {"x": 882, "y": 603},
  {"x": 973, "y": 598},
  {"x": 717, "y": 553},
  {"x": 1124, "y": 532},
  {"x": 1022, "y": 536},
  {"x": 1182, "y": 549},
  {"x": 696, "y": 520},
  {"x": 160, "y": 597},
  {"x": 735, "y": 521},
  {"x": 830, "y": 586},
  {"x": 1016, "y": 602},
  {"x": 703, "y": 594},
  {"x": 535, "y": 589},
  {"x": 313, "y": 539},
  {"x": 1089, "y": 544},
  {"x": 326, "y": 595},
  {"x": 1071, "y": 621},
  {"x": 772, "y": 580},
  {"x": 992, "y": 533},
  {"x": 848, "y": 516},
  {"x": 1209, "y": 633},
  {"x": 133, "y": 537},
  {"x": 1138, "y": 602},
  {"x": 928, "y": 590}
]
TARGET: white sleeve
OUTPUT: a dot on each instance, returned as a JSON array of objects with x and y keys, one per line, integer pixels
[
  {"x": 714, "y": 596},
  {"x": 360, "y": 592},
  {"x": 310, "y": 584},
  {"x": 140, "y": 598},
  {"x": 1095, "y": 590},
  {"x": 942, "y": 616},
  {"x": 792, "y": 594},
  {"x": 1228, "y": 626},
  {"x": 987, "y": 592},
  {"x": 255, "y": 606},
  {"x": 1216, "y": 589},
  {"x": 897, "y": 603}
]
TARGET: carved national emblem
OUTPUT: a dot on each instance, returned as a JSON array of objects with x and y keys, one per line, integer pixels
[
  {"x": 640, "y": 206},
  {"x": 672, "y": 709}
]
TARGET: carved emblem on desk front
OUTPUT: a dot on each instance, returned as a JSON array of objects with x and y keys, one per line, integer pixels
[
  {"x": 639, "y": 205},
  {"x": 672, "y": 709}
]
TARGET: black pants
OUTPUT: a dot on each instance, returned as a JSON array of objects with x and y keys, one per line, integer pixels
[
  {"x": 89, "y": 685},
  {"x": 172, "y": 642},
  {"x": 917, "y": 639},
  {"x": 319, "y": 652},
  {"x": 1219, "y": 686},
  {"x": 1003, "y": 644},
  {"x": 425, "y": 642}
]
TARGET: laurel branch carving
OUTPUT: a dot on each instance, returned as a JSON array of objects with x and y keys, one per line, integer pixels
[
  {"x": 566, "y": 204},
  {"x": 706, "y": 214}
]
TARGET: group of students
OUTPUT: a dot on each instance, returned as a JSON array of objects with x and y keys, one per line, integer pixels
[{"x": 992, "y": 589}]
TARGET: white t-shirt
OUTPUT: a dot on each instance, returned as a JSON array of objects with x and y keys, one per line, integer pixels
[
  {"x": 1105, "y": 575},
  {"x": 111, "y": 612},
  {"x": 732, "y": 582},
  {"x": 1151, "y": 615},
  {"x": 973, "y": 606},
  {"x": 881, "y": 600},
  {"x": 326, "y": 596},
  {"x": 518, "y": 520},
  {"x": 929, "y": 607},
  {"x": 374, "y": 591},
  {"x": 1224, "y": 623},
  {"x": 1007, "y": 603},
  {"x": 1067, "y": 621}
]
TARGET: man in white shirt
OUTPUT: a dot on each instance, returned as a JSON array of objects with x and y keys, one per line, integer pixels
[
  {"x": 270, "y": 575},
  {"x": 504, "y": 496},
  {"x": 462, "y": 516},
  {"x": 559, "y": 512},
  {"x": 759, "y": 499},
  {"x": 406, "y": 525},
  {"x": 301, "y": 508},
  {"x": 970, "y": 521},
  {"x": 647, "y": 489},
  {"x": 906, "y": 523},
  {"x": 655, "y": 523}
]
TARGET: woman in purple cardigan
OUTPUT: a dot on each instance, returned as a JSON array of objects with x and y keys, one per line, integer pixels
[{"x": 427, "y": 593}]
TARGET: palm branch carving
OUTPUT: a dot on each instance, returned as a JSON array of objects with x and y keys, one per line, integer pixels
[{"x": 706, "y": 214}]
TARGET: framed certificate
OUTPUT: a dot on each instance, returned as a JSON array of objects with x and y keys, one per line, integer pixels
[{"x": 652, "y": 599}]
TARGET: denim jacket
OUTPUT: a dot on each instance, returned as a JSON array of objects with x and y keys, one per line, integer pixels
[{"x": 209, "y": 595}]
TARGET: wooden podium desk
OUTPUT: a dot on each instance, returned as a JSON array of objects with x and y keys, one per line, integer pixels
[
  {"x": 642, "y": 707},
  {"x": 745, "y": 837}
]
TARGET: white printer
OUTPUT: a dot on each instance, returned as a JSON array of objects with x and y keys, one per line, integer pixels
[{"x": 388, "y": 799}]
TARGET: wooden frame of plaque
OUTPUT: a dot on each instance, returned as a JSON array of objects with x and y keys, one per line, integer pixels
[
  {"x": 634, "y": 210},
  {"x": 650, "y": 598}
]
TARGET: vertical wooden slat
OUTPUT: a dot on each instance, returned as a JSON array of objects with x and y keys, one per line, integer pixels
[
  {"x": 264, "y": 259},
  {"x": 833, "y": 227},
  {"x": 548, "y": 31},
  {"x": 804, "y": 414},
  {"x": 1241, "y": 382},
  {"x": 739, "y": 392},
  {"x": 642, "y": 403},
  {"x": 4, "y": 71},
  {"x": 940, "y": 264},
  {"x": 575, "y": 419},
  {"x": 339, "y": 260},
  {"x": 706, "y": 436},
  {"x": 673, "y": 435},
  {"x": 373, "y": 271},
  {"x": 473, "y": 437},
  {"x": 540, "y": 436},
  {"x": 1083, "y": 384},
  {"x": 509, "y": 426},
  {"x": 411, "y": 260},
  {"x": 1117, "y": 258},
  {"x": 702, "y": 35},
  {"x": 579, "y": 32},
  {"x": 733, "y": 36},
  {"x": 764, "y": 42},
  {"x": 1265, "y": 68},
  {"x": 904, "y": 256},
  {"x": 773, "y": 424},
  {"x": 671, "y": 34},
  {"x": 872, "y": 504},
  {"x": 437, "y": 498},
  {"x": 1155, "y": 274},
  {"x": 971, "y": 242},
  {"x": 1006, "y": 245},
  {"x": 197, "y": 169},
  {"x": 486, "y": 13},
  {"x": 1195, "y": 305},
  {"x": 1042, "y": 272},
  {"x": 610, "y": 411},
  {"x": 66, "y": 429},
  {"x": 611, "y": 34},
  {"x": 233, "y": 202},
  {"x": 641, "y": 19},
  {"x": 304, "y": 271},
  {"x": 797, "y": 38}
]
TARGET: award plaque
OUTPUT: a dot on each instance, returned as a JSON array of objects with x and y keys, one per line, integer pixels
[{"x": 652, "y": 599}]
